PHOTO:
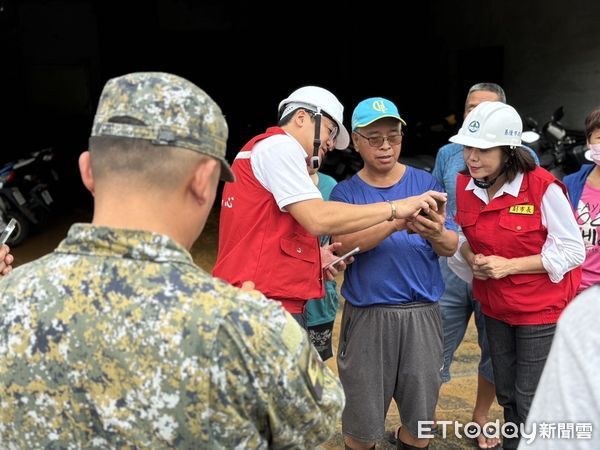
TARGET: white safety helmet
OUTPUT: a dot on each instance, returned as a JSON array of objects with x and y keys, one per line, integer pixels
[
  {"x": 490, "y": 124},
  {"x": 316, "y": 99}
]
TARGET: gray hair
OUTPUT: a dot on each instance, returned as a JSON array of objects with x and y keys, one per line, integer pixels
[{"x": 491, "y": 87}]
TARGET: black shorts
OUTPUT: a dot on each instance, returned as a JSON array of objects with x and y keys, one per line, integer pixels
[{"x": 320, "y": 336}]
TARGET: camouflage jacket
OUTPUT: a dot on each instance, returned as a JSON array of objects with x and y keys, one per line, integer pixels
[{"x": 117, "y": 340}]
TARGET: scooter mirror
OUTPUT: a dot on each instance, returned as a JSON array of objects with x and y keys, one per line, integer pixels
[
  {"x": 530, "y": 137},
  {"x": 556, "y": 132},
  {"x": 558, "y": 114}
]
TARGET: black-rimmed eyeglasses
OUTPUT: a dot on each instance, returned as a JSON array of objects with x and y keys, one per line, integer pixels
[{"x": 377, "y": 141}]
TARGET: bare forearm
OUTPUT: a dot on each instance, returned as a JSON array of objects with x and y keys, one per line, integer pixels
[
  {"x": 366, "y": 239},
  {"x": 319, "y": 217},
  {"x": 526, "y": 264},
  {"x": 498, "y": 267},
  {"x": 445, "y": 244},
  {"x": 335, "y": 218},
  {"x": 466, "y": 252}
]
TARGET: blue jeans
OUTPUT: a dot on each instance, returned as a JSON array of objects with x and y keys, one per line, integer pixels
[
  {"x": 519, "y": 354},
  {"x": 457, "y": 305}
]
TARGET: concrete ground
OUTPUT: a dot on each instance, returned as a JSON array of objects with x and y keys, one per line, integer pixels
[{"x": 456, "y": 397}]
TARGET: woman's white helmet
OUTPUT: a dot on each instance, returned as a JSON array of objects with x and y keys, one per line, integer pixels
[
  {"x": 490, "y": 124},
  {"x": 315, "y": 99}
]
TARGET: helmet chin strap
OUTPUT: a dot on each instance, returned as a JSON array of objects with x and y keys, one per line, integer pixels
[
  {"x": 314, "y": 160},
  {"x": 486, "y": 183}
]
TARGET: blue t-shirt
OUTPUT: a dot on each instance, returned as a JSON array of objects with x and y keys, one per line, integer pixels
[
  {"x": 448, "y": 162},
  {"x": 403, "y": 267}
]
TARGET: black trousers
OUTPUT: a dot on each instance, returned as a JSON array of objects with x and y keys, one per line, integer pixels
[{"x": 519, "y": 354}]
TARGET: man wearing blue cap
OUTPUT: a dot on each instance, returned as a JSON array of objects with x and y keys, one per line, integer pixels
[
  {"x": 271, "y": 216},
  {"x": 391, "y": 331}
]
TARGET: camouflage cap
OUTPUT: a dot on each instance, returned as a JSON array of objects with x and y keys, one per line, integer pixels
[{"x": 165, "y": 109}]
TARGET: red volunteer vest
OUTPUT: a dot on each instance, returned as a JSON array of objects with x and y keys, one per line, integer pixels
[
  {"x": 512, "y": 227},
  {"x": 258, "y": 242}
]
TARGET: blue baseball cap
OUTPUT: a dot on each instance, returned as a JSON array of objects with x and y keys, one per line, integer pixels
[{"x": 372, "y": 109}]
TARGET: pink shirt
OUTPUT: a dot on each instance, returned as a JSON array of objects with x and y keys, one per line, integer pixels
[{"x": 588, "y": 218}]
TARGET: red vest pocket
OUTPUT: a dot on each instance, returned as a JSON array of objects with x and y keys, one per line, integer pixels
[
  {"x": 523, "y": 278},
  {"x": 297, "y": 273},
  {"x": 298, "y": 247},
  {"x": 520, "y": 223}
]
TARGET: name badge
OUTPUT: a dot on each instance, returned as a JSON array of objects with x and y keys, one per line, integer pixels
[{"x": 522, "y": 209}]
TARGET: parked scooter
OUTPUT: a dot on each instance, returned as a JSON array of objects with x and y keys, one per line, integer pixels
[
  {"x": 25, "y": 193},
  {"x": 561, "y": 150}
]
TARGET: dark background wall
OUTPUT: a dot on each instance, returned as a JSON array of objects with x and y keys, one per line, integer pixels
[
  {"x": 550, "y": 52},
  {"x": 57, "y": 54}
]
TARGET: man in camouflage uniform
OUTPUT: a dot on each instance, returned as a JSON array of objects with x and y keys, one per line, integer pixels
[{"x": 117, "y": 340}]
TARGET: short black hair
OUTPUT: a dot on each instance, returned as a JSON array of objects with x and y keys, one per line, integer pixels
[{"x": 592, "y": 122}]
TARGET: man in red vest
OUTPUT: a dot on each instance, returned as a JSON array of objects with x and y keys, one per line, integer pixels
[{"x": 271, "y": 216}]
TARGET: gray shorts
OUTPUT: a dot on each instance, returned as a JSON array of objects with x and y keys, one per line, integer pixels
[{"x": 389, "y": 352}]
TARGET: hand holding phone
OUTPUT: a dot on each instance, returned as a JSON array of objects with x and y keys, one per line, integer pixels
[
  {"x": 8, "y": 231},
  {"x": 354, "y": 251},
  {"x": 440, "y": 205}
]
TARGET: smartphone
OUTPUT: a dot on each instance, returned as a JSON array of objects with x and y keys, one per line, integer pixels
[
  {"x": 7, "y": 231},
  {"x": 440, "y": 203},
  {"x": 354, "y": 251}
]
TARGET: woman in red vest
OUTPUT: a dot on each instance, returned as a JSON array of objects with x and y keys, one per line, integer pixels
[{"x": 521, "y": 247}]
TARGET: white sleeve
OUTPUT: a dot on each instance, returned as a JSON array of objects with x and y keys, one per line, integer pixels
[
  {"x": 279, "y": 164},
  {"x": 568, "y": 391},
  {"x": 458, "y": 264},
  {"x": 564, "y": 248}
]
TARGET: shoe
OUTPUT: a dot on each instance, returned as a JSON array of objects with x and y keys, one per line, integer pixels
[
  {"x": 475, "y": 440},
  {"x": 392, "y": 436}
]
